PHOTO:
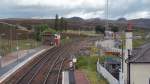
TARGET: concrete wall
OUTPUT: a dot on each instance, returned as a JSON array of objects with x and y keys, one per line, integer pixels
[{"x": 140, "y": 73}]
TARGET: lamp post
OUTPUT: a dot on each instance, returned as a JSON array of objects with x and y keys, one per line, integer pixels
[
  {"x": 122, "y": 63},
  {"x": 79, "y": 31},
  {"x": 17, "y": 47},
  {"x": 122, "y": 53},
  {"x": 28, "y": 43},
  {"x": 1, "y": 35},
  {"x": 0, "y": 43},
  {"x": 1, "y": 51}
]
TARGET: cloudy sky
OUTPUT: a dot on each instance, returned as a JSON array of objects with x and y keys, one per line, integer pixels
[{"x": 68, "y": 8}]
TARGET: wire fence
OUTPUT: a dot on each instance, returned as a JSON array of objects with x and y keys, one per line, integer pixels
[{"x": 13, "y": 39}]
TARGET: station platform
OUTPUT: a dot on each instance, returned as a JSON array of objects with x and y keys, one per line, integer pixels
[
  {"x": 74, "y": 77},
  {"x": 80, "y": 77},
  {"x": 9, "y": 66},
  {"x": 68, "y": 77}
]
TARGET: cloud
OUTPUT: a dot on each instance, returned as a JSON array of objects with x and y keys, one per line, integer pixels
[
  {"x": 68, "y": 8},
  {"x": 129, "y": 9},
  {"x": 142, "y": 14},
  {"x": 86, "y": 15}
]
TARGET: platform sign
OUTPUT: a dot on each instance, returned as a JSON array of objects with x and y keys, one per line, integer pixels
[{"x": 74, "y": 60}]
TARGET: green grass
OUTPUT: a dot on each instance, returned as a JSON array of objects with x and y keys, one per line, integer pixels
[
  {"x": 66, "y": 40},
  {"x": 88, "y": 33},
  {"x": 138, "y": 42},
  {"x": 88, "y": 65}
]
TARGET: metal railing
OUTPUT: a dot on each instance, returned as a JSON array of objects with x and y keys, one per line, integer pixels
[{"x": 106, "y": 74}]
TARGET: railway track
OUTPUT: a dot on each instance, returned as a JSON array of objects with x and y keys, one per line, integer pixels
[
  {"x": 46, "y": 68},
  {"x": 26, "y": 68},
  {"x": 42, "y": 72}
]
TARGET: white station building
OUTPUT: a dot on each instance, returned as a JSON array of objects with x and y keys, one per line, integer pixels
[
  {"x": 136, "y": 63},
  {"x": 139, "y": 66}
]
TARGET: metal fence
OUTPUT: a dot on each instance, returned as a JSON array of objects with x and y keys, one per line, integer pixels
[
  {"x": 106, "y": 74},
  {"x": 16, "y": 43}
]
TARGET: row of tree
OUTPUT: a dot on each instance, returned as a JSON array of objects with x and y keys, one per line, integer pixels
[
  {"x": 38, "y": 29},
  {"x": 60, "y": 24},
  {"x": 101, "y": 29}
]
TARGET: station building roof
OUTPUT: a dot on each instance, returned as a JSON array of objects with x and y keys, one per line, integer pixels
[{"x": 141, "y": 54}]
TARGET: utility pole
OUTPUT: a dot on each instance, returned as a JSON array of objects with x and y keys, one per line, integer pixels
[
  {"x": 108, "y": 33},
  {"x": 128, "y": 47}
]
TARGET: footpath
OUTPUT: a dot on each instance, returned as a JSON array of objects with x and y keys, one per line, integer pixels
[{"x": 80, "y": 77}]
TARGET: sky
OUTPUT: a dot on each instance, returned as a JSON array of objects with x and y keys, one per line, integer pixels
[{"x": 130, "y": 9}]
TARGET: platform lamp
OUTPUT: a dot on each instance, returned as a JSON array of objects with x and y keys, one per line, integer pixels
[
  {"x": 1, "y": 35},
  {"x": 17, "y": 47},
  {"x": 1, "y": 51}
]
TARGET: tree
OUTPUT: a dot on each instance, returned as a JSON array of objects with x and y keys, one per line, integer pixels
[
  {"x": 50, "y": 30},
  {"x": 114, "y": 29},
  {"x": 56, "y": 22},
  {"x": 65, "y": 25},
  {"x": 38, "y": 30},
  {"x": 62, "y": 24},
  {"x": 100, "y": 29}
]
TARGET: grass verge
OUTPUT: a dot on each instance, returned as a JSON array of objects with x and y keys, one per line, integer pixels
[
  {"x": 88, "y": 65},
  {"x": 66, "y": 40}
]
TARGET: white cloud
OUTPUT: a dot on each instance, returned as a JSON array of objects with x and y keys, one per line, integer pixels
[
  {"x": 146, "y": 1},
  {"x": 81, "y": 8},
  {"x": 143, "y": 14},
  {"x": 61, "y": 3},
  {"x": 87, "y": 15}
]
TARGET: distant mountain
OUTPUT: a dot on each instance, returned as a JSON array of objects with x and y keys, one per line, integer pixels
[
  {"x": 94, "y": 19},
  {"x": 76, "y": 18},
  {"x": 77, "y": 22},
  {"x": 122, "y": 20},
  {"x": 143, "y": 22}
]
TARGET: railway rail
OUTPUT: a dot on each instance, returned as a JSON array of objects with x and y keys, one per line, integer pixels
[{"x": 46, "y": 68}]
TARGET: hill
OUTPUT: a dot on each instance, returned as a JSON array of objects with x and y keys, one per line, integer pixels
[{"x": 76, "y": 22}]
